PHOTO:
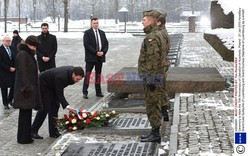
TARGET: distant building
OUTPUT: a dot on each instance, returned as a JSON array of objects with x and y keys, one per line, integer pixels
[{"x": 186, "y": 14}]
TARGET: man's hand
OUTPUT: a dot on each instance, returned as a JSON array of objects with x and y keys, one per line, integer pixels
[
  {"x": 100, "y": 53},
  {"x": 12, "y": 69},
  {"x": 46, "y": 59},
  {"x": 71, "y": 109}
]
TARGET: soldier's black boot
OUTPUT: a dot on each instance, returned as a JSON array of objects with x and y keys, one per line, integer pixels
[
  {"x": 164, "y": 111},
  {"x": 146, "y": 136},
  {"x": 154, "y": 136}
]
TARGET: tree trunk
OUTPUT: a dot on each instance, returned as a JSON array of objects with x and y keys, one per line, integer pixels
[
  {"x": 6, "y": 2},
  {"x": 53, "y": 12},
  {"x": 116, "y": 11},
  {"x": 66, "y": 15}
]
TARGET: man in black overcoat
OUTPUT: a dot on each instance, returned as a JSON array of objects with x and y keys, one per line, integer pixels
[
  {"x": 15, "y": 40},
  {"x": 96, "y": 47},
  {"x": 7, "y": 71},
  {"x": 46, "y": 52},
  {"x": 52, "y": 84}
]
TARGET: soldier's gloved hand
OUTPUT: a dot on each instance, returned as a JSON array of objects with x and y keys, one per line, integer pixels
[{"x": 151, "y": 87}]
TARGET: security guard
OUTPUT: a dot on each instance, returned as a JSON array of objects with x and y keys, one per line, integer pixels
[{"x": 151, "y": 68}]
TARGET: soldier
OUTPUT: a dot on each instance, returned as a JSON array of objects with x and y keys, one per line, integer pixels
[
  {"x": 151, "y": 68},
  {"x": 166, "y": 44}
]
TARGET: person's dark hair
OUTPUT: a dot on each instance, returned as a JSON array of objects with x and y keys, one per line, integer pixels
[
  {"x": 44, "y": 24},
  {"x": 162, "y": 20},
  {"x": 94, "y": 19},
  {"x": 78, "y": 71},
  {"x": 15, "y": 32}
]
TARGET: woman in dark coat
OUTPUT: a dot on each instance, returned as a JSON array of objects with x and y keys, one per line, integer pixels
[{"x": 27, "y": 92}]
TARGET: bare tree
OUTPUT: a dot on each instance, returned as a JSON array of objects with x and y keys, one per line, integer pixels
[
  {"x": 66, "y": 15},
  {"x": 6, "y": 5},
  {"x": 93, "y": 4},
  {"x": 34, "y": 10},
  {"x": 132, "y": 4},
  {"x": 116, "y": 7}
]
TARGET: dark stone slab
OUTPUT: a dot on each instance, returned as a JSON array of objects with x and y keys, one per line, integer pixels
[
  {"x": 112, "y": 149},
  {"x": 218, "y": 45},
  {"x": 218, "y": 18},
  {"x": 179, "y": 80},
  {"x": 124, "y": 124}
]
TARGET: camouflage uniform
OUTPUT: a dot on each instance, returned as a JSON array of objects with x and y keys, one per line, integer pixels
[
  {"x": 165, "y": 47},
  {"x": 152, "y": 61}
]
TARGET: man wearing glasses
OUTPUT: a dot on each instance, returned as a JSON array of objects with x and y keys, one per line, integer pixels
[{"x": 7, "y": 72}]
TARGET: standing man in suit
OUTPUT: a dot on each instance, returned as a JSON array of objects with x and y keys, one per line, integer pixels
[
  {"x": 52, "y": 84},
  {"x": 7, "y": 71},
  {"x": 96, "y": 47},
  {"x": 46, "y": 52}
]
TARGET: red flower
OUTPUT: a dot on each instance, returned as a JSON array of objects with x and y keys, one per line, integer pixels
[
  {"x": 70, "y": 128},
  {"x": 70, "y": 119},
  {"x": 95, "y": 114},
  {"x": 65, "y": 116},
  {"x": 88, "y": 121}
]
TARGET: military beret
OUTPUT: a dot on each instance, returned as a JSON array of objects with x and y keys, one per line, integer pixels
[
  {"x": 163, "y": 15},
  {"x": 153, "y": 13}
]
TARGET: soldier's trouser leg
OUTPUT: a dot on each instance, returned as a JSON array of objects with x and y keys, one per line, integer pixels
[
  {"x": 153, "y": 109},
  {"x": 164, "y": 101}
]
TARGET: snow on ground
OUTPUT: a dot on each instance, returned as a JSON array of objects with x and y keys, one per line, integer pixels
[{"x": 225, "y": 35}]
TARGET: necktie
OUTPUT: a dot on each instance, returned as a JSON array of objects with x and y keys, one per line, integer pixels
[
  {"x": 9, "y": 52},
  {"x": 97, "y": 41}
]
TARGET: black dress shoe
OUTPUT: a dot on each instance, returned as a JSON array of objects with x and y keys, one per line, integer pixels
[
  {"x": 85, "y": 96},
  {"x": 55, "y": 135},
  {"x": 36, "y": 136},
  {"x": 99, "y": 95},
  {"x": 26, "y": 142}
]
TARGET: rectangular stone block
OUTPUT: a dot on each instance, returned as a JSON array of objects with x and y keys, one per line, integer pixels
[
  {"x": 124, "y": 124},
  {"x": 104, "y": 149},
  {"x": 179, "y": 80}
]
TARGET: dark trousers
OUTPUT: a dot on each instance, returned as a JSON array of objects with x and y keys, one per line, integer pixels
[
  {"x": 41, "y": 115},
  {"x": 7, "y": 98},
  {"x": 24, "y": 126},
  {"x": 88, "y": 79}
]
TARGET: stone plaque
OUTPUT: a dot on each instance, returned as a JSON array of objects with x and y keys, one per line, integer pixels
[
  {"x": 112, "y": 149},
  {"x": 125, "y": 124}
]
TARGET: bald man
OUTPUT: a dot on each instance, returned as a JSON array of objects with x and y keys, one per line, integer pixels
[{"x": 7, "y": 71}]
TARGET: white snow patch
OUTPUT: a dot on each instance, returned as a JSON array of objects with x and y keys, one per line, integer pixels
[
  {"x": 227, "y": 5},
  {"x": 185, "y": 94},
  {"x": 161, "y": 151},
  {"x": 225, "y": 35}
]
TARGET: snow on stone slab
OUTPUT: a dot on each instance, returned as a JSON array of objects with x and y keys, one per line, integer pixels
[{"x": 225, "y": 35}]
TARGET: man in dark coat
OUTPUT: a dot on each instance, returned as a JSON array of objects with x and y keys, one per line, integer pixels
[
  {"x": 96, "y": 47},
  {"x": 15, "y": 40},
  {"x": 52, "y": 84},
  {"x": 46, "y": 51},
  {"x": 7, "y": 71}
]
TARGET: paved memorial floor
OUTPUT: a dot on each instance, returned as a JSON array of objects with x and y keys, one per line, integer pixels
[{"x": 206, "y": 119}]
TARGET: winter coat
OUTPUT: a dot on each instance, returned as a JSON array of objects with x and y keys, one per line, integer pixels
[
  {"x": 27, "y": 89},
  {"x": 7, "y": 78},
  {"x": 47, "y": 48},
  {"x": 14, "y": 43}
]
